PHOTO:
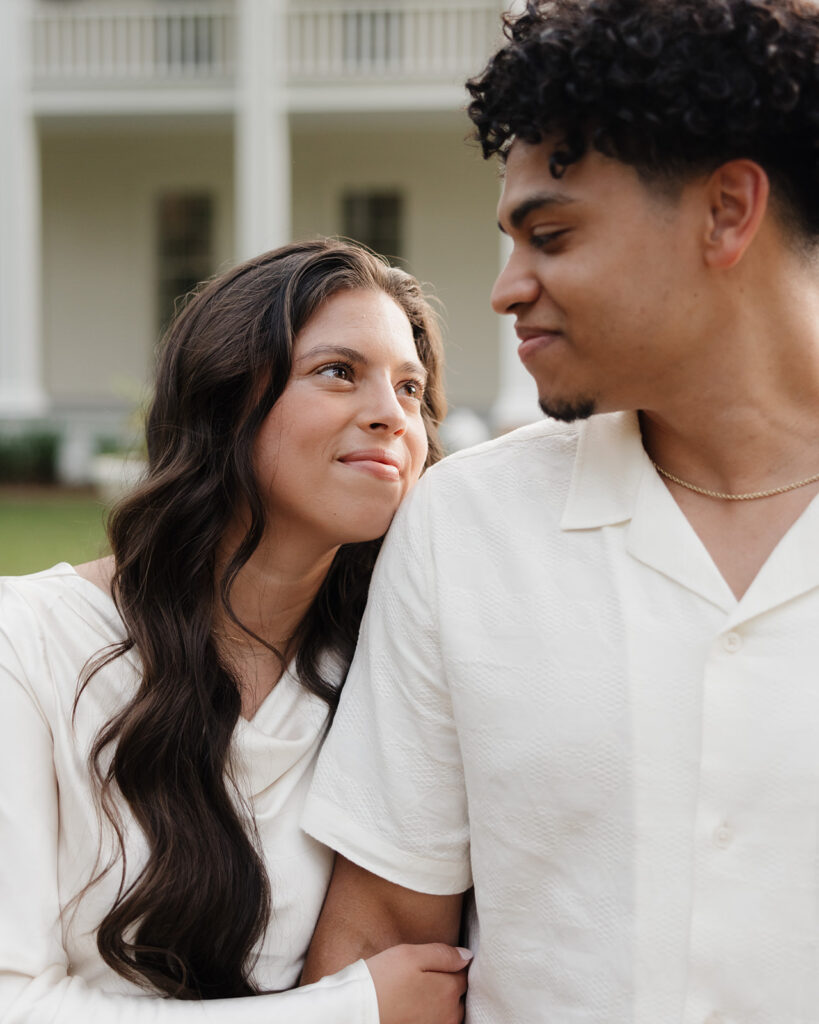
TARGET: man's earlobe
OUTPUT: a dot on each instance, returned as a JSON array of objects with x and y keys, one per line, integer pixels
[{"x": 738, "y": 193}]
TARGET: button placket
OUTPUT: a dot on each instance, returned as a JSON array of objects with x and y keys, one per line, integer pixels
[
  {"x": 723, "y": 836},
  {"x": 712, "y": 901}
]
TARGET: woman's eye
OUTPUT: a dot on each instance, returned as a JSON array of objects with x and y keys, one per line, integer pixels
[
  {"x": 412, "y": 388},
  {"x": 339, "y": 371}
]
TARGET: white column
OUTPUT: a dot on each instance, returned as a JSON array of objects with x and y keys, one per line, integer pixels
[
  {"x": 263, "y": 175},
  {"x": 21, "y": 391},
  {"x": 516, "y": 403}
]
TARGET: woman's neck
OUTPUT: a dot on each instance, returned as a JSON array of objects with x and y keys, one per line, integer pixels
[{"x": 270, "y": 597}]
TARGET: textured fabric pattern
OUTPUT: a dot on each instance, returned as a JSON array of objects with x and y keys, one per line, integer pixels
[
  {"x": 50, "y": 970},
  {"x": 557, "y": 697}
]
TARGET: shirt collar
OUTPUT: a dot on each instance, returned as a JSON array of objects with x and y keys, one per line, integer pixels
[
  {"x": 608, "y": 468},
  {"x": 613, "y": 481}
]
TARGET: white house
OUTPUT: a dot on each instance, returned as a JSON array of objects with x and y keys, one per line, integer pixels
[{"x": 144, "y": 144}]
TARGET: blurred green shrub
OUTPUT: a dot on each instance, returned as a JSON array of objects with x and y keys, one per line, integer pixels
[
  {"x": 28, "y": 457},
  {"x": 109, "y": 445}
]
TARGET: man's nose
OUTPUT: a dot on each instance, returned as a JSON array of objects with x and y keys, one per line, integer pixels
[{"x": 516, "y": 285}]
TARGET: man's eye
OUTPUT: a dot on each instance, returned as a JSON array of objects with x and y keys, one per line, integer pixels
[{"x": 548, "y": 238}]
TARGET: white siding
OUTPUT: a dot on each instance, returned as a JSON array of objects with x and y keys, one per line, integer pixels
[{"x": 100, "y": 189}]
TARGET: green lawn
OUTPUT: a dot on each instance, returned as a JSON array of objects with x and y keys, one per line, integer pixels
[{"x": 41, "y": 527}]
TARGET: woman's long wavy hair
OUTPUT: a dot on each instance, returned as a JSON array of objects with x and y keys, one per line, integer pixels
[{"x": 188, "y": 924}]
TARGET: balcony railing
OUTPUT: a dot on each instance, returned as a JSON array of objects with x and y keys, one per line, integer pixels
[
  {"x": 133, "y": 43},
  {"x": 431, "y": 41},
  {"x": 90, "y": 43}
]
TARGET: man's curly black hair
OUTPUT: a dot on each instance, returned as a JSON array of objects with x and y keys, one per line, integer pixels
[{"x": 670, "y": 87}]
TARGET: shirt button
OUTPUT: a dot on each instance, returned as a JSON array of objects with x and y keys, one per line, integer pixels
[
  {"x": 715, "y": 1018},
  {"x": 732, "y": 642},
  {"x": 723, "y": 837}
]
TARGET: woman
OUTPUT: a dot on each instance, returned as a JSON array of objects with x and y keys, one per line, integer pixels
[{"x": 160, "y": 711}]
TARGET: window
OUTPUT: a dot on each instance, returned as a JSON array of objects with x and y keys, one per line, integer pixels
[
  {"x": 376, "y": 219},
  {"x": 185, "y": 232}
]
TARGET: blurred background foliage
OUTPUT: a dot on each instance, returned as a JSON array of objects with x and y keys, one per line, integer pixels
[{"x": 40, "y": 524}]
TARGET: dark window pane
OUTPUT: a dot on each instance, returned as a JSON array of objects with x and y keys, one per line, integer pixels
[
  {"x": 185, "y": 257},
  {"x": 376, "y": 219}
]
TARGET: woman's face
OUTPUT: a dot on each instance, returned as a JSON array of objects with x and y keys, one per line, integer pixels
[{"x": 346, "y": 441}]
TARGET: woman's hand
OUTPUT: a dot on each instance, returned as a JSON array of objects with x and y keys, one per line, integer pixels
[{"x": 420, "y": 984}]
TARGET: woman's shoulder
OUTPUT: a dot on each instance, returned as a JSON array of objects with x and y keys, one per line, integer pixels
[
  {"x": 24, "y": 597},
  {"x": 51, "y": 622},
  {"x": 42, "y": 594},
  {"x": 100, "y": 573}
]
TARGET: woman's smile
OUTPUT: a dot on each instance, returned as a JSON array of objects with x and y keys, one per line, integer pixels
[{"x": 379, "y": 463}]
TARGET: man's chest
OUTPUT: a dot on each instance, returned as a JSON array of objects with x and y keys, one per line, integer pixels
[{"x": 642, "y": 772}]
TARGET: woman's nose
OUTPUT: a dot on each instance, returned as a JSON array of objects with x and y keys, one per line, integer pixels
[{"x": 383, "y": 410}]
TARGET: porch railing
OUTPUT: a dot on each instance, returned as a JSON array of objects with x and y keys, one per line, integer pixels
[
  {"x": 90, "y": 43},
  {"x": 133, "y": 43},
  {"x": 428, "y": 40}
]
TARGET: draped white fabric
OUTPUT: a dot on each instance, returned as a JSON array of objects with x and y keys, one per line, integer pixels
[{"x": 50, "y": 970}]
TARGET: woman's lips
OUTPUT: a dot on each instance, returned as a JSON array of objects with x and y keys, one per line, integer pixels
[{"x": 382, "y": 465}]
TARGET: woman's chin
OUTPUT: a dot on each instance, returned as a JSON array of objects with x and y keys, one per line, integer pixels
[{"x": 366, "y": 528}]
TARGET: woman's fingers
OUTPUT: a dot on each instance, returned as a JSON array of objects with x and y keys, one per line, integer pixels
[
  {"x": 421, "y": 984},
  {"x": 437, "y": 956}
]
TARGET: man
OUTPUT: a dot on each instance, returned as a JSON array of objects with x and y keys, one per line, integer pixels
[{"x": 588, "y": 680}]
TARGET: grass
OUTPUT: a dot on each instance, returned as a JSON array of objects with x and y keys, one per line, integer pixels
[{"x": 42, "y": 526}]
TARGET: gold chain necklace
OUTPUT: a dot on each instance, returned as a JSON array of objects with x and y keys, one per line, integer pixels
[{"x": 735, "y": 497}]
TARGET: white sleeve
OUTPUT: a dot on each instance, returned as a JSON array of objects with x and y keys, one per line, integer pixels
[
  {"x": 35, "y": 985},
  {"x": 388, "y": 791}
]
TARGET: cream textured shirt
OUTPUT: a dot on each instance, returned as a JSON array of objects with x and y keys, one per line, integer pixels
[
  {"x": 50, "y": 970},
  {"x": 558, "y": 698}
]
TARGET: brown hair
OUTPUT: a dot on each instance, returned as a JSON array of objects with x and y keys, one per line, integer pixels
[{"x": 187, "y": 926}]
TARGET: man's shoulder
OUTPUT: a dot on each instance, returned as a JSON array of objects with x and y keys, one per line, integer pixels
[
  {"x": 546, "y": 443},
  {"x": 526, "y": 468}
]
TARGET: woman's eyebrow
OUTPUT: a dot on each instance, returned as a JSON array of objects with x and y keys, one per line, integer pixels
[
  {"x": 352, "y": 355},
  {"x": 415, "y": 368}
]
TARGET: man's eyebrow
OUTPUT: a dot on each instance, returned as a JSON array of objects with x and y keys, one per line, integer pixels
[
  {"x": 352, "y": 355},
  {"x": 536, "y": 202}
]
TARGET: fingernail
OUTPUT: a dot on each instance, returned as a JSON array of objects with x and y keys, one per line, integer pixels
[{"x": 466, "y": 954}]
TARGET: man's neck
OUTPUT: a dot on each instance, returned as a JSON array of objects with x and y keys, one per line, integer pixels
[
  {"x": 745, "y": 420},
  {"x": 745, "y": 417}
]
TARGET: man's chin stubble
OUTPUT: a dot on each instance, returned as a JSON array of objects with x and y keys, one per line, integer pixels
[{"x": 568, "y": 412}]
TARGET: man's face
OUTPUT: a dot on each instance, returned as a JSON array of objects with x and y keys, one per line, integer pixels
[{"x": 604, "y": 280}]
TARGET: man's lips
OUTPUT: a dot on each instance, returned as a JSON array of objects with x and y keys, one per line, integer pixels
[
  {"x": 534, "y": 339},
  {"x": 376, "y": 461}
]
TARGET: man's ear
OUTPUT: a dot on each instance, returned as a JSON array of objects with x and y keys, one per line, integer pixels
[{"x": 737, "y": 193}]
